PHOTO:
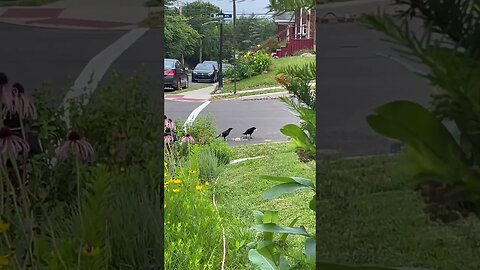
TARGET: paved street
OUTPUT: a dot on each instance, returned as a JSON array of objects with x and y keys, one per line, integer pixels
[
  {"x": 268, "y": 116},
  {"x": 59, "y": 55},
  {"x": 352, "y": 80}
]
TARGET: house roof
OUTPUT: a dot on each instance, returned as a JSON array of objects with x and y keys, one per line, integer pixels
[{"x": 285, "y": 18}]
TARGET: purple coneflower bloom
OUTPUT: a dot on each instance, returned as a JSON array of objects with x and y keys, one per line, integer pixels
[
  {"x": 11, "y": 145},
  {"x": 188, "y": 139},
  {"x": 168, "y": 138},
  {"x": 77, "y": 146},
  {"x": 23, "y": 105},
  {"x": 171, "y": 124},
  {"x": 6, "y": 94}
]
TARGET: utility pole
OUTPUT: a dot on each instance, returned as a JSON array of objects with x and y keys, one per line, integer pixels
[
  {"x": 234, "y": 48},
  {"x": 220, "y": 70},
  {"x": 180, "y": 13},
  {"x": 201, "y": 50}
]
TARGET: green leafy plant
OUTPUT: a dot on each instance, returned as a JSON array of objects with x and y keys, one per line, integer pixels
[
  {"x": 441, "y": 143},
  {"x": 297, "y": 80},
  {"x": 268, "y": 253},
  {"x": 250, "y": 64},
  {"x": 203, "y": 130},
  {"x": 222, "y": 151}
]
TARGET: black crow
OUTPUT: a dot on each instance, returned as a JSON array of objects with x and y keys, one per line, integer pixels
[
  {"x": 249, "y": 131},
  {"x": 224, "y": 134}
]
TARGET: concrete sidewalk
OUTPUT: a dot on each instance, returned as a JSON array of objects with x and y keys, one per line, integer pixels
[
  {"x": 80, "y": 14},
  {"x": 200, "y": 95}
]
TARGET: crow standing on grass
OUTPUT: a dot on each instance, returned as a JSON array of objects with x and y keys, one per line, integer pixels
[
  {"x": 249, "y": 131},
  {"x": 224, "y": 134}
]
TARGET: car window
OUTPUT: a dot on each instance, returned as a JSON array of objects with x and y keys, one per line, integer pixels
[
  {"x": 168, "y": 64},
  {"x": 205, "y": 66}
]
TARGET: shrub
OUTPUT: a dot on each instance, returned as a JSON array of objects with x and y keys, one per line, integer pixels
[
  {"x": 250, "y": 64},
  {"x": 210, "y": 166},
  {"x": 203, "y": 130},
  {"x": 222, "y": 151}
]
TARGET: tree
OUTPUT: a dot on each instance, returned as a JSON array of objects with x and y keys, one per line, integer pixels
[
  {"x": 282, "y": 6},
  {"x": 198, "y": 13},
  {"x": 180, "y": 37}
]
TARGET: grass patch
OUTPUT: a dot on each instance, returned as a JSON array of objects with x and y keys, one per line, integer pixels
[
  {"x": 369, "y": 214},
  {"x": 239, "y": 192},
  {"x": 267, "y": 79}
]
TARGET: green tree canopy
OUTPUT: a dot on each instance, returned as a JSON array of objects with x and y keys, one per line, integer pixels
[{"x": 180, "y": 37}]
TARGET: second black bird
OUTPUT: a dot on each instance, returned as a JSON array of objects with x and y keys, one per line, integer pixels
[
  {"x": 225, "y": 134},
  {"x": 249, "y": 131}
]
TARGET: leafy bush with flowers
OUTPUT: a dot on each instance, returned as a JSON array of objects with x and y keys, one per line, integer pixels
[
  {"x": 64, "y": 198},
  {"x": 249, "y": 65},
  {"x": 193, "y": 236}
]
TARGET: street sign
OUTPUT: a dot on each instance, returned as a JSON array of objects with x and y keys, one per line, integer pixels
[{"x": 221, "y": 15}]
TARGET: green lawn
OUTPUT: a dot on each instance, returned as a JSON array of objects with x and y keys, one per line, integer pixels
[
  {"x": 239, "y": 192},
  {"x": 368, "y": 214},
  {"x": 268, "y": 79}
]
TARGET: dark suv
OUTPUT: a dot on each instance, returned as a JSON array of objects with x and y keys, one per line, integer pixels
[
  {"x": 175, "y": 75},
  {"x": 204, "y": 72}
]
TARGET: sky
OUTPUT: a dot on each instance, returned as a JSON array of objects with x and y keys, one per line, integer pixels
[{"x": 243, "y": 6}]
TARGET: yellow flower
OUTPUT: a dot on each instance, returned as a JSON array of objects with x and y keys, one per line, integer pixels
[
  {"x": 91, "y": 251},
  {"x": 177, "y": 181},
  {"x": 4, "y": 261},
  {"x": 165, "y": 174},
  {"x": 193, "y": 171},
  {"x": 164, "y": 205},
  {"x": 165, "y": 164},
  {"x": 198, "y": 187},
  {"x": 4, "y": 226},
  {"x": 206, "y": 183},
  {"x": 176, "y": 190}
]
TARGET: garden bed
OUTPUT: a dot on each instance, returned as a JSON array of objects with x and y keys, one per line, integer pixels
[{"x": 239, "y": 191}]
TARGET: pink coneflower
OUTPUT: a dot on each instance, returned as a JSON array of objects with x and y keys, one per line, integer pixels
[
  {"x": 11, "y": 145},
  {"x": 188, "y": 139},
  {"x": 6, "y": 94},
  {"x": 168, "y": 138},
  {"x": 76, "y": 146},
  {"x": 23, "y": 104},
  {"x": 171, "y": 124}
]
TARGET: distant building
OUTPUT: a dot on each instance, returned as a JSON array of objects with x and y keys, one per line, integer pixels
[{"x": 296, "y": 31}]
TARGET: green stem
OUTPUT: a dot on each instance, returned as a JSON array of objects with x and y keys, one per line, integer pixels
[
  {"x": 20, "y": 183},
  {"x": 2, "y": 197},
  {"x": 9, "y": 246},
  {"x": 24, "y": 136},
  {"x": 15, "y": 205},
  {"x": 54, "y": 241},
  {"x": 77, "y": 168}
]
